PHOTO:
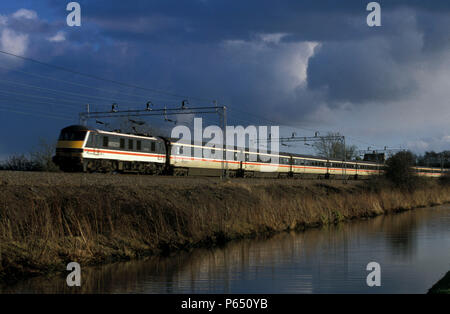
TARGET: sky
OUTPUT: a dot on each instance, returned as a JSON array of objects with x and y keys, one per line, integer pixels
[{"x": 307, "y": 66}]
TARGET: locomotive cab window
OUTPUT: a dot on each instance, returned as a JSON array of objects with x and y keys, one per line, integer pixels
[
  {"x": 72, "y": 136},
  {"x": 153, "y": 146}
]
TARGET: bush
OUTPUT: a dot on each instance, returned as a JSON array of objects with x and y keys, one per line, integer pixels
[
  {"x": 18, "y": 163},
  {"x": 399, "y": 170},
  {"x": 39, "y": 159},
  {"x": 445, "y": 179}
]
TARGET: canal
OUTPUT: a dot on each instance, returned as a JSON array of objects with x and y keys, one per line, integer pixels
[{"x": 412, "y": 248}]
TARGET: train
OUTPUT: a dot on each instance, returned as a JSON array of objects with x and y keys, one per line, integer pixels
[{"x": 83, "y": 149}]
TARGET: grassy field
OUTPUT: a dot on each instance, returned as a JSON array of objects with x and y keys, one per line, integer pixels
[{"x": 50, "y": 219}]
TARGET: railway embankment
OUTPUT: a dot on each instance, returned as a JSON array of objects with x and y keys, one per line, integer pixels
[{"x": 50, "y": 219}]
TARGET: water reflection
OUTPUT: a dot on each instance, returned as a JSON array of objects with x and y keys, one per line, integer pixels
[{"x": 413, "y": 249}]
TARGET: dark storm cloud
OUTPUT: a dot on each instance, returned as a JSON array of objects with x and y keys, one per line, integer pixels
[
  {"x": 179, "y": 45},
  {"x": 381, "y": 67},
  {"x": 354, "y": 63},
  {"x": 220, "y": 50},
  {"x": 222, "y": 19}
]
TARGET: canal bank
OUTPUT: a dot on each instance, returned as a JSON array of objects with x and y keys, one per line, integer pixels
[
  {"x": 411, "y": 247},
  {"x": 47, "y": 224}
]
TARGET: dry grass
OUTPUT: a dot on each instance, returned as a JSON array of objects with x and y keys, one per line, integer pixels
[{"x": 48, "y": 220}]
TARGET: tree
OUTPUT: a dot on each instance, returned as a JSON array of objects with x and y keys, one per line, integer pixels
[
  {"x": 331, "y": 146},
  {"x": 399, "y": 169},
  {"x": 433, "y": 159},
  {"x": 42, "y": 156}
]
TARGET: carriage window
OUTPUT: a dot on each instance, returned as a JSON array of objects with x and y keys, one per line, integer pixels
[
  {"x": 153, "y": 147},
  {"x": 180, "y": 150},
  {"x": 122, "y": 143},
  {"x": 138, "y": 145},
  {"x": 105, "y": 141},
  {"x": 130, "y": 144}
]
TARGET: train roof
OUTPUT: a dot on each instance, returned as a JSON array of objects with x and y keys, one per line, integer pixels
[
  {"x": 82, "y": 128},
  {"x": 311, "y": 157},
  {"x": 143, "y": 136},
  {"x": 75, "y": 128}
]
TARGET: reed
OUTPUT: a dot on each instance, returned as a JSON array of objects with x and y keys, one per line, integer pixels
[{"x": 45, "y": 226}]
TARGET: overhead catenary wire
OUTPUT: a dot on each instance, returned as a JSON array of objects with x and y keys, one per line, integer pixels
[
  {"x": 39, "y": 105},
  {"x": 142, "y": 97},
  {"x": 151, "y": 90},
  {"x": 103, "y": 79},
  {"x": 13, "y": 110},
  {"x": 73, "y": 83},
  {"x": 293, "y": 126},
  {"x": 87, "y": 96},
  {"x": 140, "y": 87},
  {"x": 44, "y": 97},
  {"x": 76, "y": 103}
]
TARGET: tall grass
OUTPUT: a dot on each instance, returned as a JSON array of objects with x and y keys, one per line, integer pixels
[{"x": 44, "y": 227}]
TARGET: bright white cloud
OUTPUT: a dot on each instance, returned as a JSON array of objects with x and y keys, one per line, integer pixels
[
  {"x": 26, "y": 14},
  {"x": 272, "y": 38},
  {"x": 289, "y": 59},
  {"x": 13, "y": 42},
  {"x": 296, "y": 67},
  {"x": 60, "y": 36},
  {"x": 12, "y": 39},
  {"x": 430, "y": 144}
]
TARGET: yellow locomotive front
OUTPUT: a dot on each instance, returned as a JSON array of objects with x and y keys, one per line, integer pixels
[{"x": 69, "y": 149}]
